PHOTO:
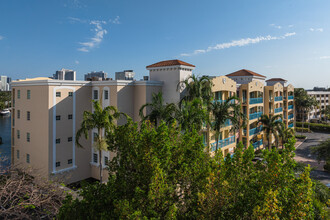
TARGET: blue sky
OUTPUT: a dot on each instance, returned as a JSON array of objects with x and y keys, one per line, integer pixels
[{"x": 282, "y": 38}]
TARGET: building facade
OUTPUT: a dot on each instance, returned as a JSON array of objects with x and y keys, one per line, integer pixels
[
  {"x": 322, "y": 97},
  {"x": 101, "y": 76},
  {"x": 47, "y": 113},
  {"x": 65, "y": 74},
  {"x": 5, "y": 83}
]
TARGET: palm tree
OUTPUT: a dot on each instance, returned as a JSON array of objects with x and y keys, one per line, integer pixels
[
  {"x": 196, "y": 87},
  {"x": 326, "y": 112},
  {"x": 221, "y": 112},
  {"x": 239, "y": 118},
  {"x": 158, "y": 110},
  {"x": 284, "y": 133},
  {"x": 191, "y": 115},
  {"x": 104, "y": 121},
  {"x": 270, "y": 126}
]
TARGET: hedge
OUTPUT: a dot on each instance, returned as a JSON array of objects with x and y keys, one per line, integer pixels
[
  {"x": 297, "y": 129},
  {"x": 300, "y": 136},
  {"x": 315, "y": 126}
]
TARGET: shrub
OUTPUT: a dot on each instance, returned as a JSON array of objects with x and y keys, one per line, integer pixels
[
  {"x": 300, "y": 136},
  {"x": 315, "y": 126},
  {"x": 297, "y": 129}
]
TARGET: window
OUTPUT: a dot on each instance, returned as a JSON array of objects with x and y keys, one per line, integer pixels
[
  {"x": 58, "y": 94},
  {"x": 58, "y": 164},
  {"x": 28, "y": 94},
  {"x": 28, "y": 158},
  {"x": 18, "y": 114},
  {"x": 106, "y": 159},
  {"x": 70, "y": 94},
  {"x": 28, "y": 116},
  {"x": 70, "y": 161},
  {"x": 18, "y": 134},
  {"x": 58, "y": 117},
  {"x": 17, "y": 154},
  {"x": 18, "y": 94},
  {"x": 106, "y": 94},
  {"x": 94, "y": 136},
  {"x": 95, "y": 158},
  {"x": 69, "y": 117},
  {"x": 69, "y": 139},
  {"x": 58, "y": 140},
  {"x": 95, "y": 94},
  {"x": 28, "y": 137}
]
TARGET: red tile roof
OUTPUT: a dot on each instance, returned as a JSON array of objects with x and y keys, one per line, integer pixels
[
  {"x": 244, "y": 72},
  {"x": 170, "y": 63},
  {"x": 276, "y": 79}
]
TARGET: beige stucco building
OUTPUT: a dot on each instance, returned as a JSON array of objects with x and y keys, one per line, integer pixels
[{"x": 47, "y": 113}]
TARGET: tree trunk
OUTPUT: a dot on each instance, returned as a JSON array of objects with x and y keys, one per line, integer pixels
[
  {"x": 217, "y": 143},
  {"x": 269, "y": 141},
  {"x": 100, "y": 153}
]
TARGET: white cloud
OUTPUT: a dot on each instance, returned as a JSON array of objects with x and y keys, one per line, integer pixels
[
  {"x": 99, "y": 33},
  {"x": 325, "y": 57},
  {"x": 76, "y": 62},
  {"x": 291, "y": 26},
  {"x": 1, "y": 37},
  {"x": 316, "y": 29},
  {"x": 73, "y": 20},
  {"x": 276, "y": 26},
  {"x": 115, "y": 21},
  {"x": 239, "y": 43}
]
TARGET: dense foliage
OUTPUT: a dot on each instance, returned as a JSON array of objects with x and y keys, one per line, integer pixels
[
  {"x": 161, "y": 172},
  {"x": 322, "y": 152},
  {"x": 5, "y": 98}
]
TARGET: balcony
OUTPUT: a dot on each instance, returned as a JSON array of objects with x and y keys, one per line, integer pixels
[
  {"x": 223, "y": 143},
  {"x": 290, "y": 125},
  {"x": 278, "y": 98},
  {"x": 277, "y": 110},
  {"x": 256, "y": 100},
  {"x": 254, "y": 131},
  {"x": 257, "y": 144},
  {"x": 223, "y": 101},
  {"x": 228, "y": 123},
  {"x": 290, "y": 116},
  {"x": 255, "y": 115},
  {"x": 290, "y": 97},
  {"x": 280, "y": 120},
  {"x": 290, "y": 107}
]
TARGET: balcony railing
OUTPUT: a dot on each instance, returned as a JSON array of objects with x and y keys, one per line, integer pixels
[
  {"x": 277, "y": 110},
  {"x": 257, "y": 144},
  {"x": 280, "y": 120},
  {"x": 256, "y": 100},
  {"x": 290, "y": 107},
  {"x": 290, "y": 125},
  {"x": 228, "y": 123},
  {"x": 255, "y": 115},
  {"x": 223, "y": 143},
  {"x": 278, "y": 98},
  {"x": 254, "y": 131},
  {"x": 290, "y": 116},
  {"x": 290, "y": 97},
  {"x": 223, "y": 101}
]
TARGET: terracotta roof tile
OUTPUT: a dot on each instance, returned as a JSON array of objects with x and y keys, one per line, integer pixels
[
  {"x": 244, "y": 72},
  {"x": 276, "y": 79},
  {"x": 170, "y": 63}
]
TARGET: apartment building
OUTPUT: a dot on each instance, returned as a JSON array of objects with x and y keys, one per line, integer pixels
[
  {"x": 47, "y": 113},
  {"x": 322, "y": 96}
]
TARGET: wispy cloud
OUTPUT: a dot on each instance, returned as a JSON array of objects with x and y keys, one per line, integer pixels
[
  {"x": 75, "y": 4},
  {"x": 316, "y": 29},
  {"x": 290, "y": 26},
  {"x": 276, "y": 26},
  {"x": 115, "y": 21},
  {"x": 76, "y": 62},
  {"x": 239, "y": 43},
  {"x": 324, "y": 57},
  {"x": 99, "y": 33},
  {"x": 73, "y": 20},
  {"x": 1, "y": 37}
]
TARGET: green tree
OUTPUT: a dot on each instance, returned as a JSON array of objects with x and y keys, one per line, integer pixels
[
  {"x": 221, "y": 112},
  {"x": 322, "y": 152},
  {"x": 197, "y": 88},
  {"x": 326, "y": 113},
  {"x": 5, "y": 99},
  {"x": 284, "y": 133},
  {"x": 103, "y": 120},
  {"x": 192, "y": 115},
  {"x": 157, "y": 110},
  {"x": 270, "y": 125}
]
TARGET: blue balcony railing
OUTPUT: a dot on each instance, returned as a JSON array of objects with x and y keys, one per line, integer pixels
[
  {"x": 255, "y": 115},
  {"x": 254, "y": 131},
  {"x": 223, "y": 143},
  {"x": 278, "y": 98},
  {"x": 290, "y": 97},
  {"x": 256, "y": 100},
  {"x": 277, "y": 110},
  {"x": 257, "y": 144},
  {"x": 280, "y": 120},
  {"x": 290, "y": 107},
  {"x": 223, "y": 101},
  {"x": 228, "y": 123},
  {"x": 290, "y": 116},
  {"x": 290, "y": 125}
]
